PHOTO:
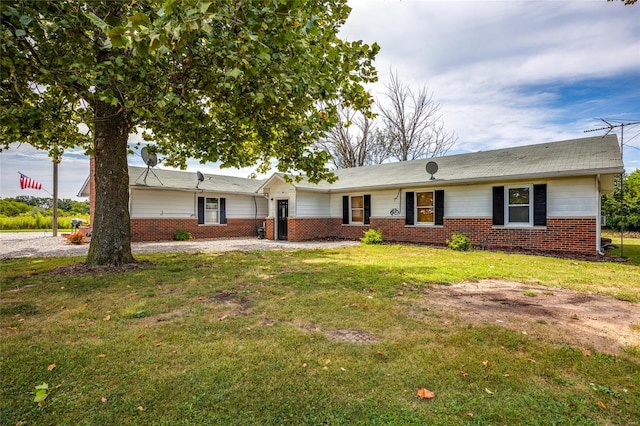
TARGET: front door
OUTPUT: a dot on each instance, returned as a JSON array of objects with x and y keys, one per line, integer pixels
[{"x": 283, "y": 214}]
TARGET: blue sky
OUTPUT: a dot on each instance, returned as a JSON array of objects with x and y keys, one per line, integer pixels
[{"x": 506, "y": 73}]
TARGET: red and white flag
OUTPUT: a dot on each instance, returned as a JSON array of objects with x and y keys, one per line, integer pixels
[{"x": 27, "y": 182}]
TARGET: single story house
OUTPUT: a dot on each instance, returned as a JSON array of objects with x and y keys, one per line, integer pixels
[
  {"x": 164, "y": 201},
  {"x": 543, "y": 197}
]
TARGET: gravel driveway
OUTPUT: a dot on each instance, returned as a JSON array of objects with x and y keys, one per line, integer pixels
[{"x": 41, "y": 244}]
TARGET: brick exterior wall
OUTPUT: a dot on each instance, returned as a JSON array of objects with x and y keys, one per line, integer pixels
[
  {"x": 270, "y": 229},
  {"x": 574, "y": 235},
  {"x": 163, "y": 229}
]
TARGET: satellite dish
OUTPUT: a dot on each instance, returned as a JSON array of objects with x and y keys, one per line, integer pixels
[
  {"x": 200, "y": 178},
  {"x": 149, "y": 158},
  {"x": 432, "y": 168}
]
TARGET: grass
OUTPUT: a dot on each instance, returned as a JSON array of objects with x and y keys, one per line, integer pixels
[
  {"x": 630, "y": 248},
  {"x": 243, "y": 338}
]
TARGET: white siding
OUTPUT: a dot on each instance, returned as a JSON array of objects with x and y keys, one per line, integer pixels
[
  {"x": 243, "y": 207},
  {"x": 313, "y": 204},
  {"x": 282, "y": 191},
  {"x": 468, "y": 201},
  {"x": 161, "y": 204},
  {"x": 178, "y": 204},
  {"x": 572, "y": 197}
]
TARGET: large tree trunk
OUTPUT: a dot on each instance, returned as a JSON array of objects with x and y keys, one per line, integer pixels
[{"x": 111, "y": 234}]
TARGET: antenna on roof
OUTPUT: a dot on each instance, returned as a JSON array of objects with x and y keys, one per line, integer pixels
[
  {"x": 432, "y": 168},
  {"x": 200, "y": 178},
  {"x": 609, "y": 128},
  {"x": 150, "y": 159}
]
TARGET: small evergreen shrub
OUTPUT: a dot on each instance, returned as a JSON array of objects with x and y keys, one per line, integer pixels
[
  {"x": 182, "y": 235},
  {"x": 459, "y": 242},
  {"x": 76, "y": 238},
  {"x": 372, "y": 236}
]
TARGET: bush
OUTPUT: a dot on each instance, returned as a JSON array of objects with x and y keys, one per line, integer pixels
[
  {"x": 182, "y": 235},
  {"x": 372, "y": 236},
  {"x": 459, "y": 242},
  {"x": 76, "y": 238}
]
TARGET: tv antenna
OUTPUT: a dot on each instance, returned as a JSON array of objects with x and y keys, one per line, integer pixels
[
  {"x": 609, "y": 128},
  {"x": 432, "y": 168},
  {"x": 150, "y": 159}
]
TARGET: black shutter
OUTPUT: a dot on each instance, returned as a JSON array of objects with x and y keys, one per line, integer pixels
[
  {"x": 223, "y": 211},
  {"x": 540, "y": 205},
  {"x": 498, "y": 205},
  {"x": 200, "y": 210},
  {"x": 345, "y": 209},
  {"x": 367, "y": 209},
  {"x": 409, "y": 209},
  {"x": 439, "y": 208}
]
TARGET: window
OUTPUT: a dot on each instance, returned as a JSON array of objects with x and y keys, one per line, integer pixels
[
  {"x": 357, "y": 209},
  {"x": 523, "y": 205},
  {"x": 424, "y": 207},
  {"x": 211, "y": 210},
  {"x": 519, "y": 205}
]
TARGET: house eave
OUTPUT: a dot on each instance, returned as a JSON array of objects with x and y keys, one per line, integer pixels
[
  {"x": 467, "y": 181},
  {"x": 194, "y": 190}
]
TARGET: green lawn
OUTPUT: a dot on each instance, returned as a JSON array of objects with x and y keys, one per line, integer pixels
[{"x": 245, "y": 338}]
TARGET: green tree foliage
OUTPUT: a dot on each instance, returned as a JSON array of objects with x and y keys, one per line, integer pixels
[
  {"x": 246, "y": 83},
  {"x": 611, "y": 204},
  {"x": 65, "y": 205},
  {"x": 11, "y": 207}
]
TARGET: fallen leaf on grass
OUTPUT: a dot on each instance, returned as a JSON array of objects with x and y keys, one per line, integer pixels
[
  {"x": 489, "y": 391},
  {"x": 426, "y": 394},
  {"x": 586, "y": 352},
  {"x": 51, "y": 367},
  {"x": 485, "y": 362},
  {"x": 601, "y": 405},
  {"x": 107, "y": 318},
  {"x": 327, "y": 361},
  {"x": 470, "y": 414},
  {"x": 140, "y": 408},
  {"x": 464, "y": 373},
  {"x": 103, "y": 399},
  {"x": 102, "y": 356}
]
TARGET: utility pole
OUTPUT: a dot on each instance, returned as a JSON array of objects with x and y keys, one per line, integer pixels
[{"x": 609, "y": 128}]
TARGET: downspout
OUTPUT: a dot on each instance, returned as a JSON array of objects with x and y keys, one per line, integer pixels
[{"x": 598, "y": 220}]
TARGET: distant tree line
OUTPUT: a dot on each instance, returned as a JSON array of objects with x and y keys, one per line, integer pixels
[
  {"x": 22, "y": 204},
  {"x": 627, "y": 211}
]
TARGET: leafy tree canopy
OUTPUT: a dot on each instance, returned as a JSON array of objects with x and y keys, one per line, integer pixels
[
  {"x": 629, "y": 215},
  {"x": 240, "y": 82}
]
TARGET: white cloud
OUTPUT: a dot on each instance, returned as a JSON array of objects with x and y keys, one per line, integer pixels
[{"x": 500, "y": 70}]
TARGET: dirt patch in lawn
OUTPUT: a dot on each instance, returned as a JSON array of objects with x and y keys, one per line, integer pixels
[{"x": 582, "y": 319}]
